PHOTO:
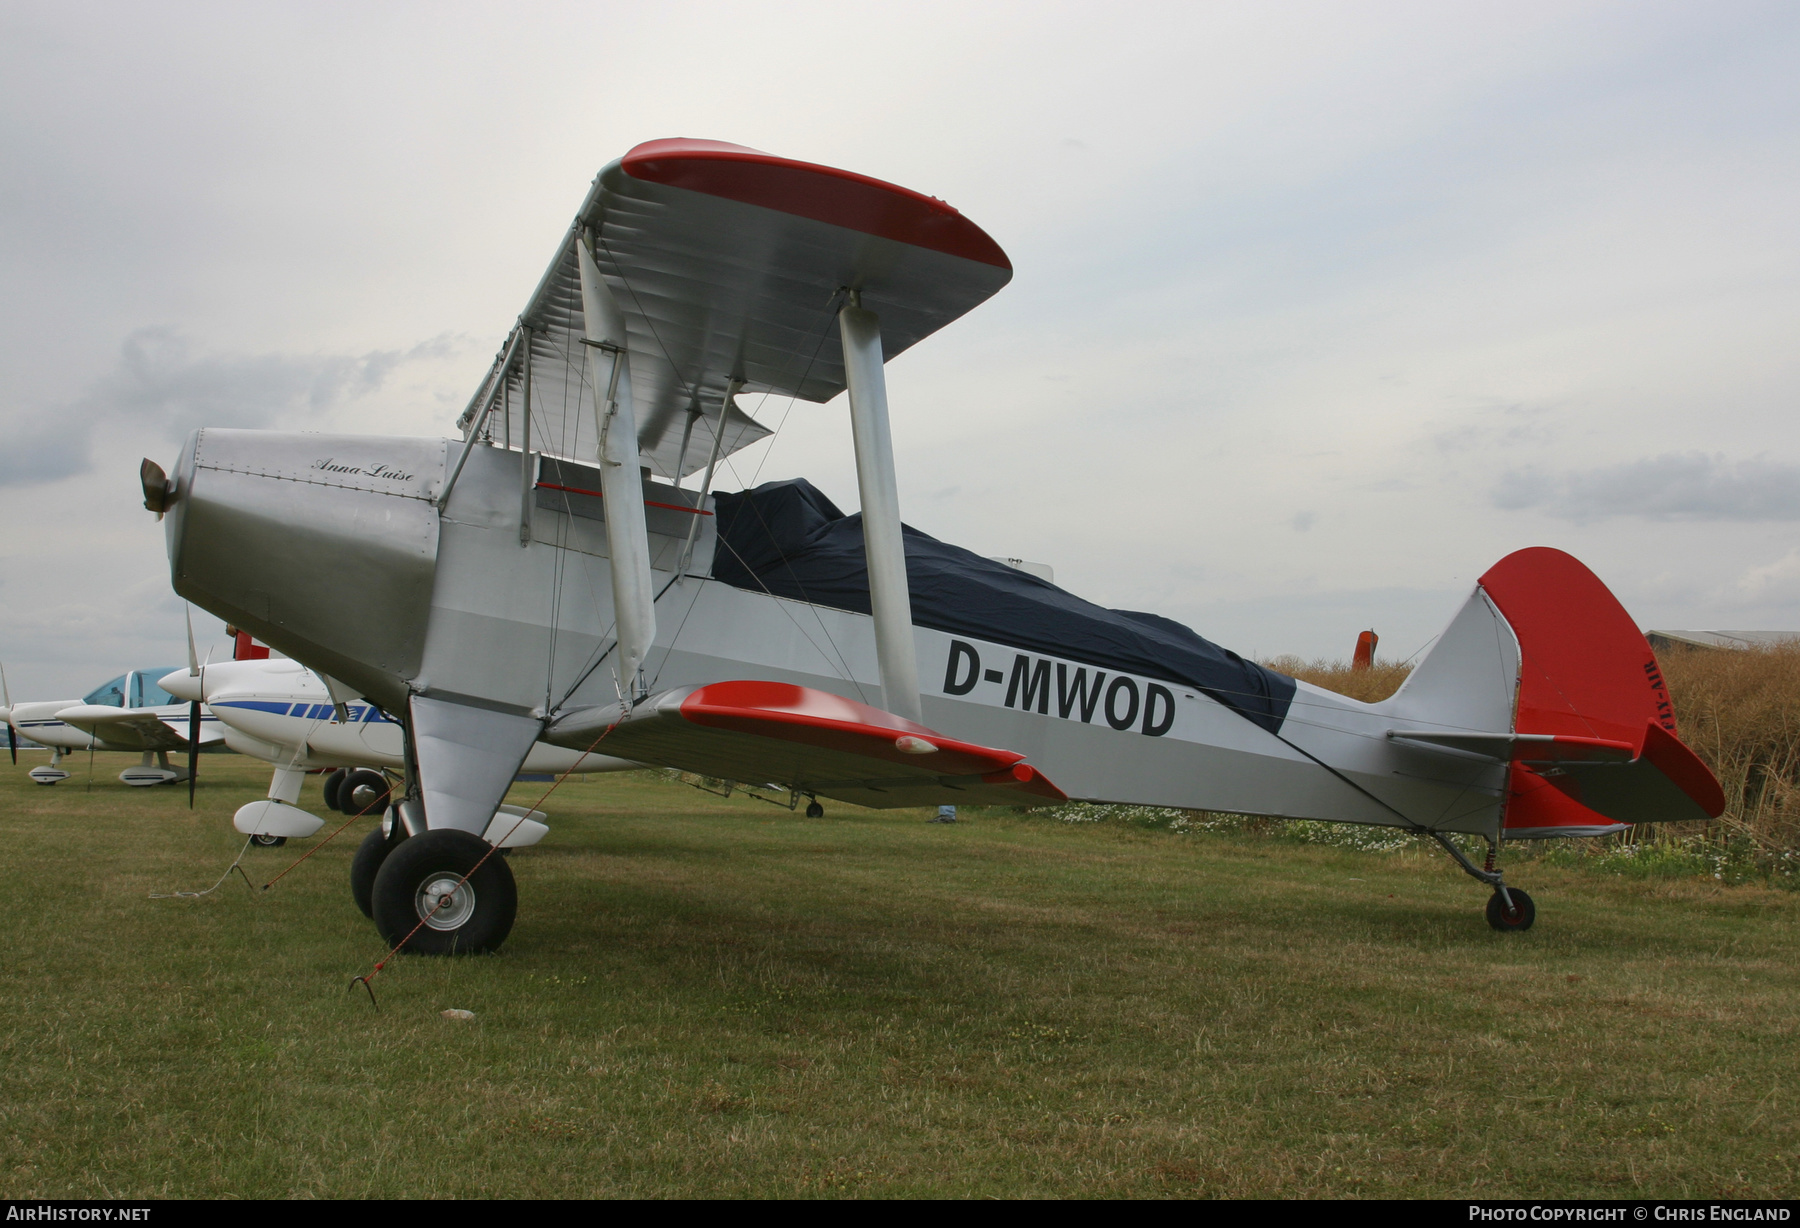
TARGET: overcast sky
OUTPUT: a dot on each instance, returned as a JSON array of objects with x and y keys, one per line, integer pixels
[{"x": 1319, "y": 310}]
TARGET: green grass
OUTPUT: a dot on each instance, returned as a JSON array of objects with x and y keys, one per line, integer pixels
[{"x": 706, "y": 997}]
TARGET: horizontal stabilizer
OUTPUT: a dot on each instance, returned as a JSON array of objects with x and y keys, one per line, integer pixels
[
  {"x": 1667, "y": 783},
  {"x": 811, "y": 741},
  {"x": 1524, "y": 747}
]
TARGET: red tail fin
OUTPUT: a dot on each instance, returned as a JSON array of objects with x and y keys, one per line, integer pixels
[{"x": 1585, "y": 670}]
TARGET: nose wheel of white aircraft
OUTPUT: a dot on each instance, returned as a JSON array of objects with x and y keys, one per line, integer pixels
[
  {"x": 268, "y": 842},
  {"x": 420, "y": 891}
]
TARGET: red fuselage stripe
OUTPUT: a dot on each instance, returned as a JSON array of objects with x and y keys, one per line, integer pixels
[{"x": 576, "y": 490}]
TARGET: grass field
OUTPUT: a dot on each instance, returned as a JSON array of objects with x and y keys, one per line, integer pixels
[{"x": 706, "y": 997}]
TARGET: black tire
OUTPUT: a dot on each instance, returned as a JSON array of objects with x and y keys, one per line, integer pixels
[
  {"x": 815, "y": 811},
  {"x": 333, "y": 783},
  {"x": 478, "y": 916},
  {"x": 370, "y": 854},
  {"x": 268, "y": 842},
  {"x": 363, "y": 792},
  {"x": 1515, "y": 920}
]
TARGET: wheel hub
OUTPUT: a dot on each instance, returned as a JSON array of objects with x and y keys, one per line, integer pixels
[{"x": 443, "y": 904}]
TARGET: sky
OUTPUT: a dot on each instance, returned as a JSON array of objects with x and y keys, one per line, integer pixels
[{"x": 1319, "y": 310}]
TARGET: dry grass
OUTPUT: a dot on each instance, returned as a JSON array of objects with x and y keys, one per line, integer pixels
[
  {"x": 1740, "y": 711},
  {"x": 1370, "y": 685}
]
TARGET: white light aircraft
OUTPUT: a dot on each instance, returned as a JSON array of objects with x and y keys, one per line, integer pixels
[
  {"x": 548, "y": 576},
  {"x": 129, "y": 713}
]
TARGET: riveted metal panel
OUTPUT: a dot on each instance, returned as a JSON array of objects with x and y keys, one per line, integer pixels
[{"x": 322, "y": 546}]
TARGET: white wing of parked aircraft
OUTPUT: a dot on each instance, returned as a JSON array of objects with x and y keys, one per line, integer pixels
[{"x": 529, "y": 583}]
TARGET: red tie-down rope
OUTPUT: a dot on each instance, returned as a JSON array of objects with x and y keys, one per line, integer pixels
[{"x": 367, "y": 978}]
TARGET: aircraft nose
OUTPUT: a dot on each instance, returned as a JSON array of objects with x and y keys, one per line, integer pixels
[{"x": 182, "y": 685}]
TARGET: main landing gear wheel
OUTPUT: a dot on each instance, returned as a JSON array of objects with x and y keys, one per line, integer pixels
[
  {"x": 370, "y": 855},
  {"x": 1512, "y": 920},
  {"x": 419, "y": 882},
  {"x": 268, "y": 842},
  {"x": 363, "y": 792},
  {"x": 333, "y": 784},
  {"x": 815, "y": 811}
]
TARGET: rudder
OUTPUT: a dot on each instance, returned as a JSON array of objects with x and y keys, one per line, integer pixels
[{"x": 1586, "y": 672}]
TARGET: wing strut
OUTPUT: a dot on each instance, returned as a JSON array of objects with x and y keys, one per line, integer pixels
[
  {"x": 712, "y": 463},
  {"x": 889, "y": 597},
  {"x": 527, "y": 471},
  {"x": 621, "y": 480}
]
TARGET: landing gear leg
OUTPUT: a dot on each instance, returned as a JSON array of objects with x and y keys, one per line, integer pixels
[{"x": 1509, "y": 910}]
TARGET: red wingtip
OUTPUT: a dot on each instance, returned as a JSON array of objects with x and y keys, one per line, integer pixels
[{"x": 821, "y": 193}]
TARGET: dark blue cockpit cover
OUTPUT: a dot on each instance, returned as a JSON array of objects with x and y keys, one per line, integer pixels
[{"x": 788, "y": 539}]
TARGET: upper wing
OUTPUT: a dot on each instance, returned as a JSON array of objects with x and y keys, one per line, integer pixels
[
  {"x": 730, "y": 264},
  {"x": 808, "y": 740}
]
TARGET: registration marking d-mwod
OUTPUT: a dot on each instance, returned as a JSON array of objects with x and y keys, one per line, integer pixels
[{"x": 1078, "y": 694}]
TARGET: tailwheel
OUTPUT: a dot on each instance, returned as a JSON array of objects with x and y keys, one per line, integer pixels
[
  {"x": 262, "y": 841},
  {"x": 1514, "y": 919},
  {"x": 422, "y": 881},
  {"x": 814, "y": 810}
]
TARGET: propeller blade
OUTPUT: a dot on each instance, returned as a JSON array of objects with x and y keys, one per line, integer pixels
[
  {"x": 12, "y": 739},
  {"x": 193, "y": 749}
]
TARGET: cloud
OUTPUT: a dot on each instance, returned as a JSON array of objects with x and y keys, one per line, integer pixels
[
  {"x": 1674, "y": 486},
  {"x": 42, "y": 451},
  {"x": 163, "y": 382},
  {"x": 1772, "y": 581}
]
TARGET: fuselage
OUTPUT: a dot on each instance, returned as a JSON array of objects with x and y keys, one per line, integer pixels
[{"x": 334, "y": 550}]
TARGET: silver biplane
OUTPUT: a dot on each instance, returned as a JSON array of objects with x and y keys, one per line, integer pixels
[{"x": 551, "y": 574}]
